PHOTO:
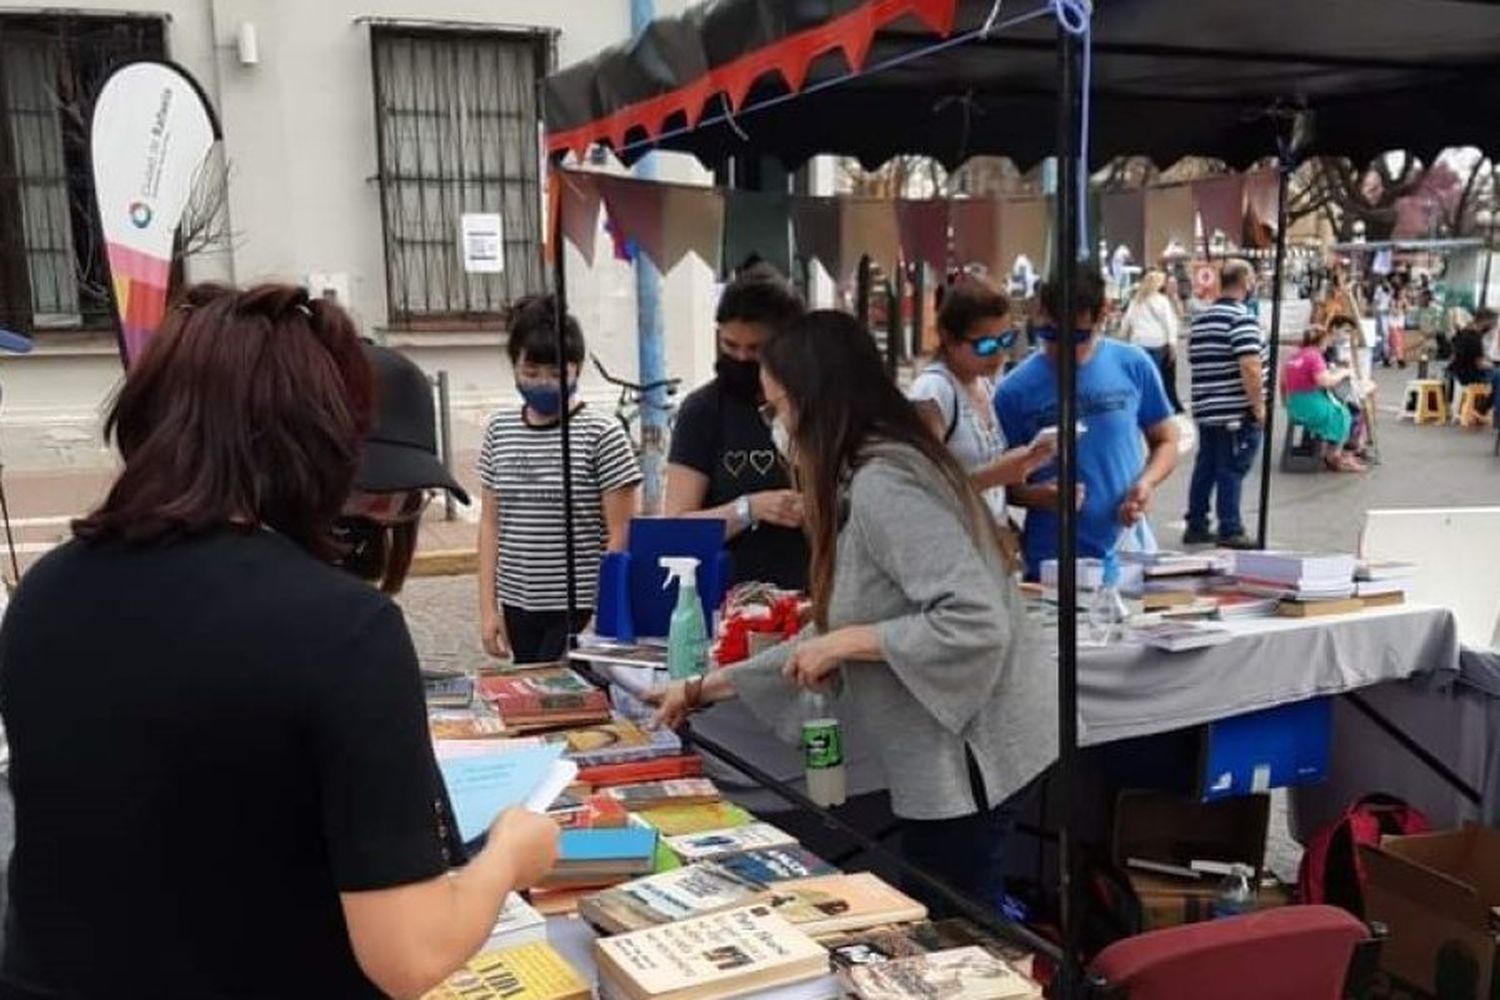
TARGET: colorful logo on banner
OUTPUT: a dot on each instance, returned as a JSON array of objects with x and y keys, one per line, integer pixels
[{"x": 150, "y": 134}]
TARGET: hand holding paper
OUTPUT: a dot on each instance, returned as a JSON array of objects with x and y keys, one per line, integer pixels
[{"x": 482, "y": 787}]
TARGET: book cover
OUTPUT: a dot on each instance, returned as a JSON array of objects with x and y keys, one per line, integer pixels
[
  {"x": 851, "y": 949},
  {"x": 529, "y": 972},
  {"x": 745, "y": 950},
  {"x": 637, "y": 772},
  {"x": 482, "y": 787},
  {"x": 553, "y": 691},
  {"x": 467, "y": 727},
  {"x": 518, "y": 923},
  {"x": 717, "y": 843},
  {"x": 630, "y": 843},
  {"x": 589, "y": 812},
  {"x": 675, "y": 821},
  {"x": 683, "y": 791},
  {"x": 960, "y": 974},
  {"x": 769, "y": 865},
  {"x": 616, "y": 742},
  {"x": 1319, "y": 609},
  {"x": 833, "y": 903},
  {"x": 658, "y": 899}
]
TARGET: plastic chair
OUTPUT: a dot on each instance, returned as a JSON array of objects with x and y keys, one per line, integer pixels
[
  {"x": 1468, "y": 404},
  {"x": 1425, "y": 402},
  {"x": 1289, "y": 953}
]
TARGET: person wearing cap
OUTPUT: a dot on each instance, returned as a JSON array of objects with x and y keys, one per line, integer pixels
[
  {"x": 223, "y": 776},
  {"x": 398, "y": 472},
  {"x": 523, "y": 559}
]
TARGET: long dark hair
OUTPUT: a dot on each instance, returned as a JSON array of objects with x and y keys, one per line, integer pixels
[
  {"x": 246, "y": 409},
  {"x": 832, "y": 373}
]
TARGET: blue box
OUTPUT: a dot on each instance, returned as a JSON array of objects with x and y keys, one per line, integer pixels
[{"x": 1276, "y": 748}]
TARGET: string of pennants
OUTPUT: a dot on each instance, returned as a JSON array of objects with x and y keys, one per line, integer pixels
[{"x": 667, "y": 221}]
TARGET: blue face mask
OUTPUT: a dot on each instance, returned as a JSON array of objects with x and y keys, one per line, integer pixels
[
  {"x": 1049, "y": 334},
  {"x": 542, "y": 398}
]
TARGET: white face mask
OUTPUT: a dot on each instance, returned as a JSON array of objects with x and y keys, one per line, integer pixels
[{"x": 781, "y": 439}]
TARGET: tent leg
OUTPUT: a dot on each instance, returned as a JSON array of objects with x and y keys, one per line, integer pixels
[
  {"x": 1069, "y": 123},
  {"x": 565, "y": 418},
  {"x": 1268, "y": 446}
]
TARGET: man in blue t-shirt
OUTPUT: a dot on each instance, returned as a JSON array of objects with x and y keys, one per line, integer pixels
[{"x": 1128, "y": 443}]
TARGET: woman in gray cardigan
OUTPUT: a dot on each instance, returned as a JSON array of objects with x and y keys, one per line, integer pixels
[{"x": 917, "y": 622}]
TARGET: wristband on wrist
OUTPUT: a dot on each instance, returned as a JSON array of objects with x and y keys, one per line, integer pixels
[{"x": 743, "y": 513}]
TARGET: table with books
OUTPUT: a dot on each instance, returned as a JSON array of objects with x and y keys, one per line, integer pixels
[{"x": 664, "y": 889}]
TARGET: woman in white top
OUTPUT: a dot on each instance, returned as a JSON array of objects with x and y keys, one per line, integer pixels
[
  {"x": 954, "y": 392},
  {"x": 1151, "y": 324}
]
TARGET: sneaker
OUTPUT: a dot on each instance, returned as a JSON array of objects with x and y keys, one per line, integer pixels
[
  {"x": 1239, "y": 542},
  {"x": 1194, "y": 536}
]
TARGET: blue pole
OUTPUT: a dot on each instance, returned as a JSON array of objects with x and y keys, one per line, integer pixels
[{"x": 650, "y": 334}]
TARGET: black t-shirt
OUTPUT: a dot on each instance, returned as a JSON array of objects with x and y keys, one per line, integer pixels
[
  {"x": 210, "y": 740},
  {"x": 721, "y": 434},
  {"x": 1468, "y": 353}
]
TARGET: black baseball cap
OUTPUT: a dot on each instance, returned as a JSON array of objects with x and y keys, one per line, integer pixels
[{"x": 400, "y": 451}]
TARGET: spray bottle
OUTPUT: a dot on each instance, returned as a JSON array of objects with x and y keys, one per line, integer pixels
[{"x": 687, "y": 635}]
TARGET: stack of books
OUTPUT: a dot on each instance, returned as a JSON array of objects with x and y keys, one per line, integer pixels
[
  {"x": 1179, "y": 636},
  {"x": 1382, "y": 584},
  {"x": 1304, "y": 584},
  {"x": 549, "y": 698}
]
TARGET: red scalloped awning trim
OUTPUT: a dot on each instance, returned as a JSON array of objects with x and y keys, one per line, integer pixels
[{"x": 853, "y": 33}]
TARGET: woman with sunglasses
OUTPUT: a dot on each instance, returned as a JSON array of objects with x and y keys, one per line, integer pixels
[{"x": 953, "y": 392}]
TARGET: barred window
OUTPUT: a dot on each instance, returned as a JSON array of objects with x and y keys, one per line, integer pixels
[
  {"x": 456, "y": 115},
  {"x": 53, "y": 272}
]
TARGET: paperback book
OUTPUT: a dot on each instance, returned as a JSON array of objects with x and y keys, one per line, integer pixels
[{"x": 717, "y": 843}]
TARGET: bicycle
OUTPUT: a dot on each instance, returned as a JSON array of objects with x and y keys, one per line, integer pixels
[{"x": 636, "y": 398}]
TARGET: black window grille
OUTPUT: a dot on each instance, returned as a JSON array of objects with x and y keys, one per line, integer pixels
[
  {"x": 458, "y": 132},
  {"x": 53, "y": 272}
]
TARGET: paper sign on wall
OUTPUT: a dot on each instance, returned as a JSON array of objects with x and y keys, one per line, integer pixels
[{"x": 482, "y": 237}]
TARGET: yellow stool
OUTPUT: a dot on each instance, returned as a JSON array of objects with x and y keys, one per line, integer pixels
[
  {"x": 1425, "y": 402},
  {"x": 1468, "y": 410}
]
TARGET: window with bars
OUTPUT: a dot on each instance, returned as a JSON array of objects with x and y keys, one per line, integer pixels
[
  {"x": 53, "y": 273},
  {"x": 457, "y": 125}
]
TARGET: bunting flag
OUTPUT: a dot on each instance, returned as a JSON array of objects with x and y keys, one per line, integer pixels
[
  {"x": 790, "y": 56},
  {"x": 1170, "y": 218},
  {"x": 924, "y": 232},
  {"x": 756, "y": 225},
  {"x": 665, "y": 221},
  {"x": 1123, "y": 221},
  {"x": 151, "y": 131},
  {"x": 817, "y": 225},
  {"x": 976, "y": 234},
  {"x": 579, "y": 202},
  {"x": 1023, "y": 233},
  {"x": 867, "y": 227},
  {"x": 1221, "y": 207}
]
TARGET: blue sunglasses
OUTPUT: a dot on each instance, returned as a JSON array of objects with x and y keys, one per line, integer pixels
[{"x": 988, "y": 347}]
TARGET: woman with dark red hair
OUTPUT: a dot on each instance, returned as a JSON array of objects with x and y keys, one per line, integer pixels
[{"x": 223, "y": 779}]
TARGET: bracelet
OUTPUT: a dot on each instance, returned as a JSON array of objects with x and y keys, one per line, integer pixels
[{"x": 693, "y": 691}]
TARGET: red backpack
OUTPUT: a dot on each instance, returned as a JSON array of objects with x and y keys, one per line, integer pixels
[{"x": 1331, "y": 870}]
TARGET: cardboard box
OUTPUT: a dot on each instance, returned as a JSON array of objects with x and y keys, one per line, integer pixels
[
  {"x": 1434, "y": 893},
  {"x": 1176, "y": 830}
]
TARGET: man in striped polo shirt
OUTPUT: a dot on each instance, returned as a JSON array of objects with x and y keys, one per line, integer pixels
[{"x": 1226, "y": 353}]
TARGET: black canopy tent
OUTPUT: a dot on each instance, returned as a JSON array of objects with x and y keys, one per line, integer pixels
[{"x": 950, "y": 79}]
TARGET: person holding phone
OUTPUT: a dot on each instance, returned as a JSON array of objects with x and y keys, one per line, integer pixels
[{"x": 953, "y": 392}]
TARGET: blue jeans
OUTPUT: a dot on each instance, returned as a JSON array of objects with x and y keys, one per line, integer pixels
[{"x": 1224, "y": 458}]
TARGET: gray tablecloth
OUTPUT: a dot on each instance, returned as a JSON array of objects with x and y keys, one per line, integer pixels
[{"x": 1126, "y": 690}]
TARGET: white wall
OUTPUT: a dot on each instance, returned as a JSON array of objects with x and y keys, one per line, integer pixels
[{"x": 299, "y": 137}]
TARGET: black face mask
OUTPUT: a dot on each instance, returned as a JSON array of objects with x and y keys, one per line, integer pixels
[
  {"x": 740, "y": 377},
  {"x": 364, "y": 544}
]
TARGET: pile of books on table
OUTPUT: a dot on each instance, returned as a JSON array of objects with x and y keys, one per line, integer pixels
[
  {"x": 1307, "y": 585},
  {"x": 694, "y": 898}
]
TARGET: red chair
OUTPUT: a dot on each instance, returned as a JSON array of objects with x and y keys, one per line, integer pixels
[{"x": 1289, "y": 953}]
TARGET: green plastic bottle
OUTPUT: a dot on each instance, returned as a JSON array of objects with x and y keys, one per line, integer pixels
[{"x": 687, "y": 635}]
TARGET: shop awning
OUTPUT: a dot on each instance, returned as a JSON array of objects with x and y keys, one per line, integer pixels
[{"x": 1169, "y": 78}]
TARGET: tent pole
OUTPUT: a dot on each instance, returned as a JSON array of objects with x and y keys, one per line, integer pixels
[
  {"x": 1069, "y": 122},
  {"x": 1268, "y": 446},
  {"x": 565, "y": 417}
]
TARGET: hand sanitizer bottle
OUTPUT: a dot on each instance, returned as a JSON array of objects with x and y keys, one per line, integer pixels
[
  {"x": 687, "y": 635},
  {"x": 823, "y": 753},
  {"x": 1107, "y": 611}
]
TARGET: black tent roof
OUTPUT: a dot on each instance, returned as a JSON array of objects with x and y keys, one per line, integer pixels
[{"x": 1169, "y": 78}]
